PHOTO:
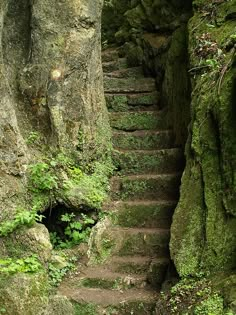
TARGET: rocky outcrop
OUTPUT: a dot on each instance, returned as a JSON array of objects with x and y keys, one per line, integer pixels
[
  {"x": 52, "y": 108},
  {"x": 207, "y": 239}
]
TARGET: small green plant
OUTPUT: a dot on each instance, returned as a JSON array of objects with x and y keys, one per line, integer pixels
[
  {"x": 75, "y": 231},
  {"x": 23, "y": 217},
  {"x": 2, "y": 310},
  {"x": 29, "y": 264},
  {"x": 57, "y": 274},
  {"x": 42, "y": 178},
  {"x": 33, "y": 137}
]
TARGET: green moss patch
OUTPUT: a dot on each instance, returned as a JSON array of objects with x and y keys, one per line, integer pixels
[
  {"x": 142, "y": 140},
  {"x": 138, "y": 121},
  {"x": 145, "y": 162}
]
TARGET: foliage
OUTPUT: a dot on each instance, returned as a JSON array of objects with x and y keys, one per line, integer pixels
[
  {"x": 85, "y": 309},
  {"x": 75, "y": 231},
  {"x": 23, "y": 217},
  {"x": 193, "y": 296},
  {"x": 42, "y": 178},
  {"x": 29, "y": 264},
  {"x": 90, "y": 184},
  {"x": 56, "y": 274},
  {"x": 33, "y": 137}
]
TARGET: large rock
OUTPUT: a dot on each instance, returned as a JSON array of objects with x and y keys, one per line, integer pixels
[
  {"x": 51, "y": 102},
  {"x": 207, "y": 239}
]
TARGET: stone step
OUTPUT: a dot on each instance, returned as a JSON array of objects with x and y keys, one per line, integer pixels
[
  {"x": 154, "y": 268},
  {"x": 145, "y": 187},
  {"x": 110, "y": 54},
  {"x": 114, "y": 65},
  {"x": 102, "y": 276},
  {"x": 104, "y": 301},
  {"x": 135, "y": 72},
  {"x": 148, "y": 161},
  {"x": 129, "y": 85},
  {"x": 143, "y": 120},
  {"x": 143, "y": 139},
  {"x": 137, "y": 241},
  {"x": 149, "y": 214},
  {"x": 131, "y": 102}
]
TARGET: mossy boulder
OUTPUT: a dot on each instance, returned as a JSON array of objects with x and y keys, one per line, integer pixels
[{"x": 24, "y": 293}]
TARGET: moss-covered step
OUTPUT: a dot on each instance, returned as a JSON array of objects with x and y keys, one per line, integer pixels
[
  {"x": 132, "y": 102},
  {"x": 135, "y": 265},
  {"x": 148, "y": 161},
  {"x": 129, "y": 85},
  {"x": 143, "y": 139},
  {"x": 145, "y": 187},
  {"x": 110, "y": 66},
  {"x": 141, "y": 213},
  {"x": 101, "y": 276},
  {"x": 143, "y": 120},
  {"x": 91, "y": 301},
  {"x": 110, "y": 54},
  {"x": 135, "y": 72},
  {"x": 137, "y": 242}
]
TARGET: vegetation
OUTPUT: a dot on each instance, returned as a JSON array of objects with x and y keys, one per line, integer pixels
[
  {"x": 75, "y": 231},
  {"x": 23, "y": 217},
  {"x": 193, "y": 296},
  {"x": 28, "y": 264},
  {"x": 57, "y": 273}
]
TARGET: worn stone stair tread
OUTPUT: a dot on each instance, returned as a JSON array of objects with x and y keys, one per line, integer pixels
[
  {"x": 129, "y": 85},
  {"x": 106, "y": 297},
  {"x": 140, "y": 133},
  {"x": 102, "y": 276},
  {"x": 152, "y": 214},
  {"x": 114, "y": 65},
  {"x": 135, "y": 230},
  {"x": 160, "y": 161},
  {"x": 146, "y": 176},
  {"x": 145, "y": 187},
  {"x": 132, "y": 101},
  {"x": 143, "y": 139},
  {"x": 110, "y": 54},
  {"x": 139, "y": 120},
  {"x": 138, "y": 259},
  {"x": 134, "y": 72},
  {"x": 140, "y": 202}
]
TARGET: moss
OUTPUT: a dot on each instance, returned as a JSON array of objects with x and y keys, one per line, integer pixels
[
  {"x": 24, "y": 294},
  {"x": 163, "y": 186},
  {"x": 150, "y": 244},
  {"x": 122, "y": 103},
  {"x": 159, "y": 162},
  {"x": 207, "y": 241},
  {"x": 138, "y": 121},
  {"x": 85, "y": 309},
  {"x": 142, "y": 215}
]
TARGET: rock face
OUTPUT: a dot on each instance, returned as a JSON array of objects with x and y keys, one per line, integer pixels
[
  {"x": 207, "y": 205},
  {"x": 51, "y": 86},
  {"x": 52, "y": 104}
]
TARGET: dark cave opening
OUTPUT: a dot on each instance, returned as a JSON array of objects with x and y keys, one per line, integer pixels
[{"x": 68, "y": 226}]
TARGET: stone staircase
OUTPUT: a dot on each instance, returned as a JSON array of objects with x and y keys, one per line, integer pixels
[{"x": 144, "y": 192}]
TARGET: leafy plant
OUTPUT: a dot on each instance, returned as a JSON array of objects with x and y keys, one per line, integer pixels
[
  {"x": 29, "y": 264},
  {"x": 42, "y": 178},
  {"x": 33, "y": 137},
  {"x": 57, "y": 274},
  {"x": 23, "y": 217},
  {"x": 75, "y": 231}
]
